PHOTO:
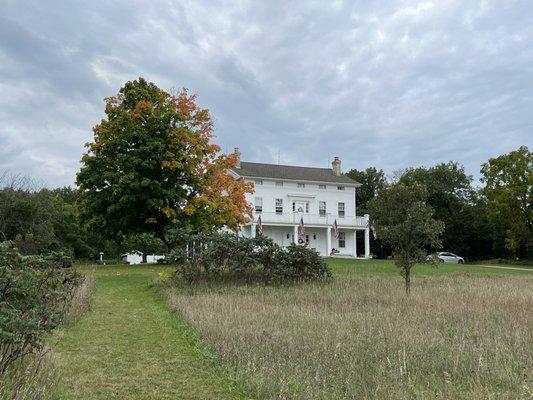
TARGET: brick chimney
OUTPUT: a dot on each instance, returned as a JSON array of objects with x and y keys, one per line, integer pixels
[
  {"x": 237, "y": 153},
  {"x": 336, "y": 166}
]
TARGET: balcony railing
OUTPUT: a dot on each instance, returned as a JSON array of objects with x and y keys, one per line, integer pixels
[{"x": 311, "y": 219}]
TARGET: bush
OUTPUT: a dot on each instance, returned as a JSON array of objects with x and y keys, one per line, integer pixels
[
  {"x": 34, "y": 294},
  {"x": 224, "y": 256}
]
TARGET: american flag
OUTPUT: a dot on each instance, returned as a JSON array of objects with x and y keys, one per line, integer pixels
[
  {"x": 301, "y": 229},
  {"x": 259, "y": 226},
  {"x": 335, "y": 230},
  {"x": 374, "y": 232}
]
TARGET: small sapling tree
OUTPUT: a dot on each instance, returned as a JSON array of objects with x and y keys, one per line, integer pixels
[{"x": 404, "y": 220}]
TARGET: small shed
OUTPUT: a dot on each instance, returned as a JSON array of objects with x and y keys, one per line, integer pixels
[{"x": 136, "y": 257}]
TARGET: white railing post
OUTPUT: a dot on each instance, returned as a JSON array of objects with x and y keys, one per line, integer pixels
[
  {"x": 355, "y": 243},
  {"x": 367, "y": 243},
  {"x": 328, "y": 241}
]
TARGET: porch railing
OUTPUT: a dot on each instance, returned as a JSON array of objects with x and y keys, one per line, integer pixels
[{"x": 312, "y": 219}]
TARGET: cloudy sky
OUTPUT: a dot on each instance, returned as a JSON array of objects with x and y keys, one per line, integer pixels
[{"x": 390, "y": 84}]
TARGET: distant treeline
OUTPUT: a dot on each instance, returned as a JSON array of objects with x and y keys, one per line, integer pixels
[
  {"x": 42, "y": 220},
  {"x": 486, "y": 222},
  {"x": 481, "y": 222}
]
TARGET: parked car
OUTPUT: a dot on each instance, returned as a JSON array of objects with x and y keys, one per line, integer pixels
[{"x": 446, "y": 257}]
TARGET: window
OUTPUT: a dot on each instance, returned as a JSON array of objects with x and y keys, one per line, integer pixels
[
  {"x": 301, "y": 185},
  {"x": 258, "y": 204},
  {"x": 340, "y": 187},
  {"x": 307, "y": 239},
  {"x": 279, "y": 184},
  {"x": 279, "y": 206},
  {"x": 341, "y": 210},
  {"x": 258, "y": 181},
  {"x": 293, "y": 206},
  {"x": 307, "y": 208},
  {"x": 322, "y": 208},
  {"x": 323, "y": 187},
  {"x": 342, "y": 240}
]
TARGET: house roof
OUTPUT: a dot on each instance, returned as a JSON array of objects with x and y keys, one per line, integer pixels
[{"x": 274, "y": 171}]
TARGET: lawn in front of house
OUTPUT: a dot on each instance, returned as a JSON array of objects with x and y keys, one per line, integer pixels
[
  {"x": 387, "y": 267},
  {"x": 131, "y": 346},
  {"x": 466, "y": 332}
]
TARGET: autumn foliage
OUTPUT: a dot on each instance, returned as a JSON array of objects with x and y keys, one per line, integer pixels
[{"x": 152, "y": 168}]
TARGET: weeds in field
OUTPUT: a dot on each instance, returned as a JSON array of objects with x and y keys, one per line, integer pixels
[
  {"x": 33, "y": 377},
  {"x": 81, "y": 298},
  {"x": 455, "y": 337}
]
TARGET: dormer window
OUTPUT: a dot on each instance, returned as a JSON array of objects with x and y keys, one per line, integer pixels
[
  {"x": 279, "y": 184},
  {"x": 322, "y": 187},
  {"x": 301, "y": 185},
  {"x": 340, "y": 188},
  {"x": 258, "y": 181}
]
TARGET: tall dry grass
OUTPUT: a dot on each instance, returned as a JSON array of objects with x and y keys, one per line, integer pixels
[
  {"x": 80, "y": 302},
  {"x": 455, "y": 337},
  {"x": 33, "y": 377}
]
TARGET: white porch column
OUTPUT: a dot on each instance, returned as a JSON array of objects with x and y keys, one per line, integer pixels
[
  {"x": 367, "y": 243},
  {"x": 295, "y": 238},
  {"x": 355, "y": 243},
  {"x": 328, "y": 241},
  {"x": 252, "y": 234}
]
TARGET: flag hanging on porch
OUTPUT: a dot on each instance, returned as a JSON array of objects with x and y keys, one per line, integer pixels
[
  {"x": 335, "y": 229},
  {"x": 374, "y": 232},
  {"x": 259, "y": 226},
  {"x": 301, "y": 229}
]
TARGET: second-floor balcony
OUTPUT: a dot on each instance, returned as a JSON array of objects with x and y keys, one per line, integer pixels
[{"x": 293, "y": 218}]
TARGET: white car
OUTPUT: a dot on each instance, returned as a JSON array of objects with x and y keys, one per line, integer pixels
[{"x": 445, "y": 257}]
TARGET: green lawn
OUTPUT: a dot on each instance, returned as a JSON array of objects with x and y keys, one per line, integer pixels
[
  {"x": 387, "y": 267},
  {"x": 131, "y": 346}
]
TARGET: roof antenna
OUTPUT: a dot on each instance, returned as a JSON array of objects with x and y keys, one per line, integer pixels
[
  {"x": 327, "y": 165},
  {"x": 278, "y": 156}
]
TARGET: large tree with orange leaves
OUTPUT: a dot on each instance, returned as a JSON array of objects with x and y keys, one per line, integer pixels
[{"x": 152, "y": 168}]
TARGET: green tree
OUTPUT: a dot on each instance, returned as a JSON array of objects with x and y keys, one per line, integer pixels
[
  {"x": 404, "y": 220},
  {"x": 509, "y": 189},
  {"x": 147, "y": 169},
  {"x": 372, "y": 182},
  {"x": 461, "y": 207}
]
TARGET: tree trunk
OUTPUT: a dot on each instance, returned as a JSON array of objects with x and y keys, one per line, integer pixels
[
  {"x": 144, "y": 258},
  {"x": 408, "y": 281},
  {"x": 166, "y": 242}
]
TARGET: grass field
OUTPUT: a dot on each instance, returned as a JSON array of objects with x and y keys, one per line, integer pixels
[
  {"x": 130, "y": 346},
  {"x": 466, "y": 332}
]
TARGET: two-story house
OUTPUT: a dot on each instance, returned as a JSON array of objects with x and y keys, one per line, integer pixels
[{"x": 284, "y": 196}]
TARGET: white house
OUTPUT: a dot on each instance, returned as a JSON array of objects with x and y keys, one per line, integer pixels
[{"x": 286, "y": 195}]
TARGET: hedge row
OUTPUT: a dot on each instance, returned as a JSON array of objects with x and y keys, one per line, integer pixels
[
  {"x": 34, "y": 294},
  {"x": 218, "y": 256}
]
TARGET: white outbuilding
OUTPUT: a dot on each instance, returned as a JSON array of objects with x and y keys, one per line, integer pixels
[{"x": 136, "y": 257}]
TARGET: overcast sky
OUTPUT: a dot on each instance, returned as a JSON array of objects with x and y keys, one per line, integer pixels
[{"x": 390, "y": 84}]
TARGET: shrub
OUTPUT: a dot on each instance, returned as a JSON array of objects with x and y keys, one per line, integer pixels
[
  {"x": 34, "y": 294},
  {"x": 223, "y": 256}
]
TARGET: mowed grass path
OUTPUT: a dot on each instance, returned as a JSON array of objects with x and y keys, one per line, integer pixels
[{"x": 131, "y": 346}]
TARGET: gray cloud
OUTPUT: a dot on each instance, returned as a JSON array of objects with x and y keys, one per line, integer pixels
[{"x": 388, "y": 83}]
